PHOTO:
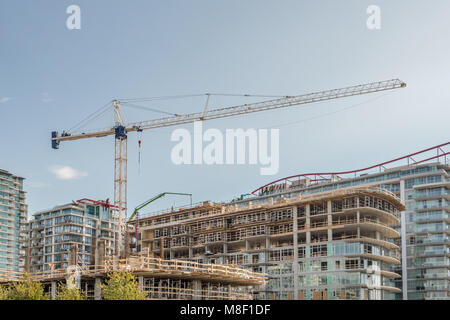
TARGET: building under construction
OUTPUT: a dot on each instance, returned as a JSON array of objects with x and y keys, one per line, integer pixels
[
  {"x": 422, "y": 181},
  {"x": 76, "y": 242},
  {"x": 326, "y": 235},
  {"x": 220, "y": 239},
  {"x": 331, "y": 245}
]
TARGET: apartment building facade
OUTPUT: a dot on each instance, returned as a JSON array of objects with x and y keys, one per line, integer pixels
[
  {"x": 425, "y": 190},
  {"x": 52, "y": 233},
  {"x": 333, "y": 245},
  {"x": 13, "y": 216},
  {"x": 422, "y": 185}
]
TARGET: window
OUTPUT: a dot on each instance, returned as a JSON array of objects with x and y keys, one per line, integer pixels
[
  {"x": 315, "y": 265},
  {"x": 352, "y": 264},
  {"x": 301, "y": 252},
  {"x": 90, "y": 210},
  {"x": 319, "y": 251}
]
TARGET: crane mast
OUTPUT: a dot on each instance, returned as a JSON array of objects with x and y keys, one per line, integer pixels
[{"x": 121, "y": 129}]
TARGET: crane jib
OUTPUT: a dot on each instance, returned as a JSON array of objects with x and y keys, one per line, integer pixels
[{"x": 287, "y": 101}]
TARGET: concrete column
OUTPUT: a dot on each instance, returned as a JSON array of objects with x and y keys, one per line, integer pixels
[
  {"x": 98, "y": 289},
  {"x": 191, "y": 253},
  {"x": 247, "y": 245},
  {"x": 225, "y": 248},
  {"x": 403, "y": 242},
  {"x": 329, "y": 221},
  {"x": 27, "y": 260},
  {"x": 93, "y": 249},
  {"x": 197, "y": 286},
  {"x": 307, "y": 215},
  {"x": 141, "y": 282},
  {"x": 116, "y": 244},
  {"x": 53, "y": 290},
  {"x": 308, "y": 223},
  {"x": 330, "y": 231},
  {"x": 72, "y": 256},
  {"x": 267, "y": 242},
  {"x": 295, "y": 261},
  {"x": 100, "y": 252}
]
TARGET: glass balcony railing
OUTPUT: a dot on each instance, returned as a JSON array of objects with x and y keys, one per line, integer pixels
[
  {"x": 435, "y": 252},
  {"x": 437, "y": 275},
  {"x": 430, "y": 216},
  {"x": 431, "y": 193}
]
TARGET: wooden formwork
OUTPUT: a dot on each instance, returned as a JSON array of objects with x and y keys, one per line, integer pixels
[
  {"x": 161, "y": 279},
  {"x": 144, "y": 265}
]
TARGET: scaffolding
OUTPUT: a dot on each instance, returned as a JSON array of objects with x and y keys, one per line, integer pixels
[{"x": 161, "y": 279}]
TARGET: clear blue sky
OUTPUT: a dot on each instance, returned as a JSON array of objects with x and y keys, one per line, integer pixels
[{"x": 52, "y": 77}]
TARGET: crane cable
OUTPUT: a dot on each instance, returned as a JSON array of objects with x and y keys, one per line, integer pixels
[
  {"x": 92, "y": 116},
  {"x": 130, "y": 102},
  {"x": 139, "y": 152},
  {"x": 330, "y": 113}
]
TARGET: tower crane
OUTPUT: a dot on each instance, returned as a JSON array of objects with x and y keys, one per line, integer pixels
[{"x": 121, "y": 129}]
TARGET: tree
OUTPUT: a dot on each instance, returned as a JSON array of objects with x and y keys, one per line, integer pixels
[
  {"x": 122, "y": 285},
  {"x": 66, "y": 293},
  {"x": 27, "y": 289},
  {"x": 3, "y": 293}
]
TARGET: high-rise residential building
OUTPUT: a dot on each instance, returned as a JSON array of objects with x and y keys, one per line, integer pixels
[
  {"x": 52, "y": 233},
  {"x": 13, "y": 216},
  {"x": 423, "y": 185},
  {"x": 332, "y": 245},
  {"x": 345, "y": 249}
]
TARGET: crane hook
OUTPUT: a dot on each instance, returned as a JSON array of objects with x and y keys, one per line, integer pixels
[{"x": 139, "y": 157}]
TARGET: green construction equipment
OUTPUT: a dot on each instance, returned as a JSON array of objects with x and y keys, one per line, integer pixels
[{"x": 146, "y": 203}]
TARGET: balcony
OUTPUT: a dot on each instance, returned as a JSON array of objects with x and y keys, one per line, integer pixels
[
  {"x": 440, "y": 275},
  {"x": 440, "y": 252},
  {"x": 436, "y": 288},
  {"x": 431, "y": 194}
]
